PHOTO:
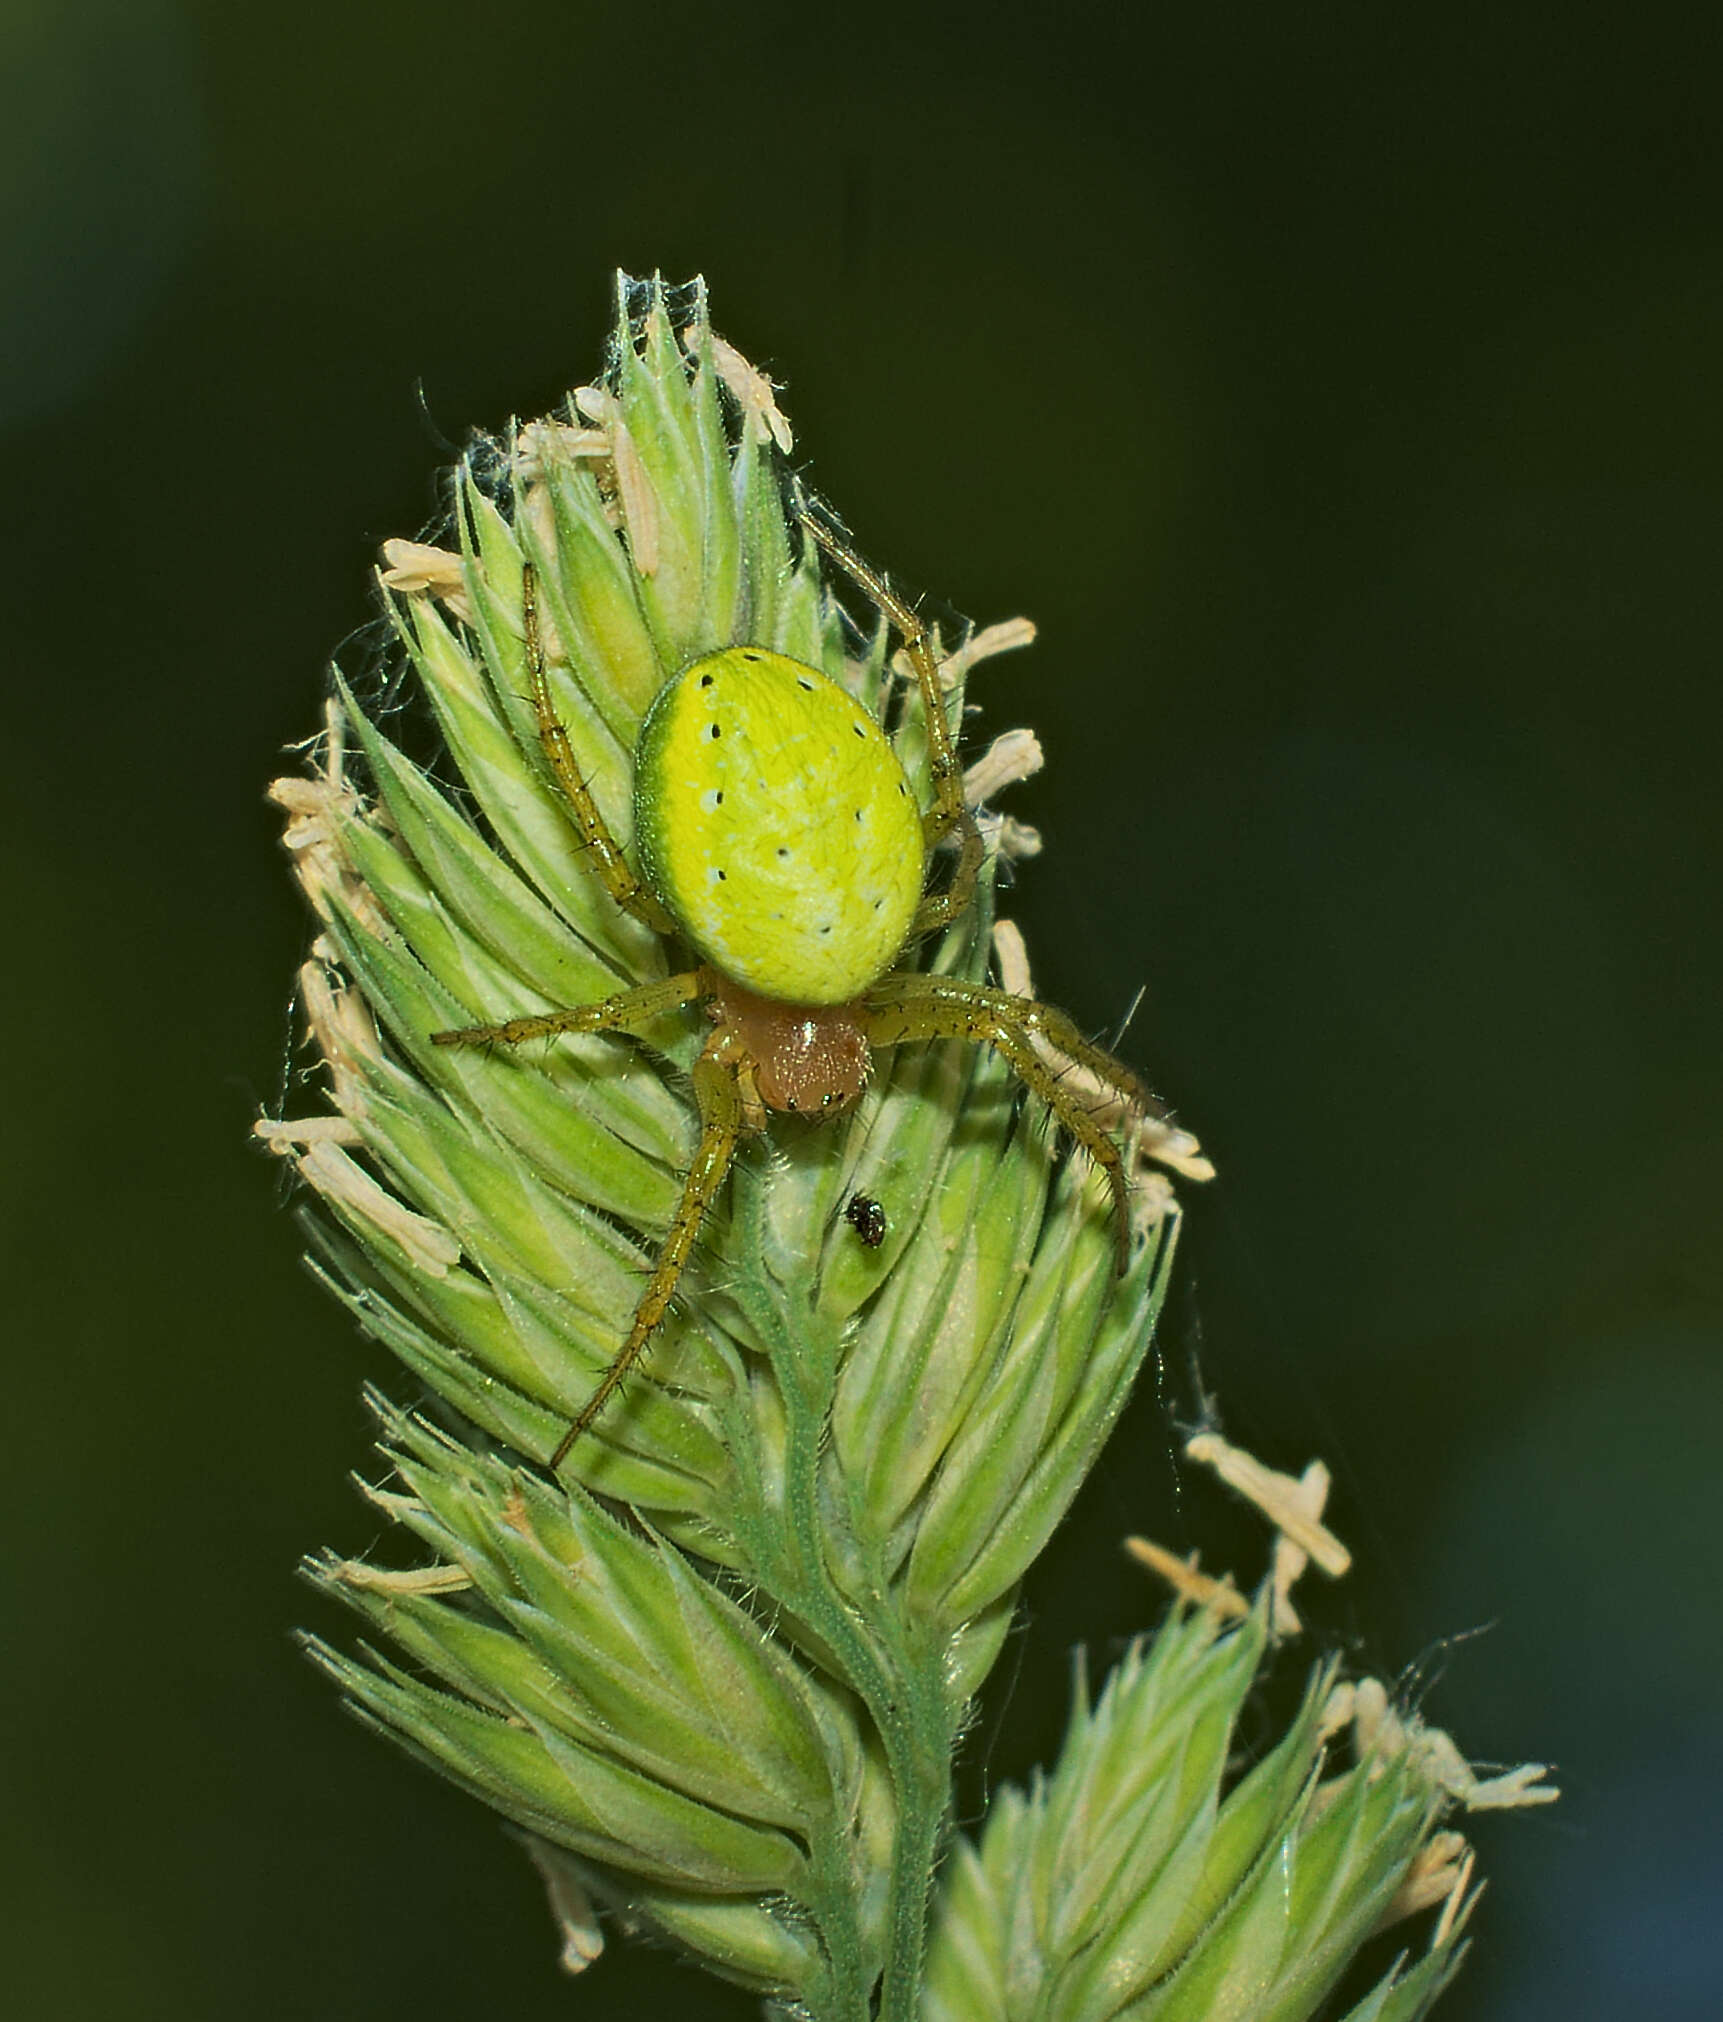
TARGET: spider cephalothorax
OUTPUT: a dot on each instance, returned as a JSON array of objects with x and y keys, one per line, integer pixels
[{"x": 779, "y": 838}]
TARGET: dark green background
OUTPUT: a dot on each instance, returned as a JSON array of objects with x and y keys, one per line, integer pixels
[{"x": 1339, "y": 389}]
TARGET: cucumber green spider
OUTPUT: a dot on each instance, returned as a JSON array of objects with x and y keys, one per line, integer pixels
[{"x": 779, "y": 839}]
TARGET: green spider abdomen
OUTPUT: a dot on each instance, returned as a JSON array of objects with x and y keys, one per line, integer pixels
[{"x": 775, "y": 823}]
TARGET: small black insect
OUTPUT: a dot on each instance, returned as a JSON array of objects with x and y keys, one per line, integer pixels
[{"x": 867, "y": 1218}]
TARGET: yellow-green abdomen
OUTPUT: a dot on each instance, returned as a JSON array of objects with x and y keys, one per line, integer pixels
[{"x": 774, "y": 821}]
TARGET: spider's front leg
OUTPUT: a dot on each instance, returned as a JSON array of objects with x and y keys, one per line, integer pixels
[
  {"x": 725, "y": 1117},
  {"x": 727, "y": 1109},
  {"x": 908, "y": 1005},
  {"x": 627, "y": 1011}
]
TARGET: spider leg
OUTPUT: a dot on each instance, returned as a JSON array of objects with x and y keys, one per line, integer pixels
[
  {"x": 908, "y": 1006},
  {"x": 618, "y": 877},
  {"x": 1027, "y": 1015},
  {"x": 949, "y": 810},
  {"x": 723, "y": 1120},
  {"x": 944, "y": 907},
  {"x": 627, "y": 1011}
]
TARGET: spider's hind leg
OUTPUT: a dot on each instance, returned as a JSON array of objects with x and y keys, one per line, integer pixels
[
  {"x": 949, "y": 812},
  {"x": 614, "y": 871},
  {"x": 907, "y": 1005}
]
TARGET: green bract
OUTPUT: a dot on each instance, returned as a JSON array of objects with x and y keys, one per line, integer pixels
[
  {"x": 719, "y": 1667},
  {"x": 1134, "y": 1883}
]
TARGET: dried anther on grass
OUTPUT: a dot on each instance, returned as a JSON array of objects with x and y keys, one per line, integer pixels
[{"x": 715, "y": 1666}]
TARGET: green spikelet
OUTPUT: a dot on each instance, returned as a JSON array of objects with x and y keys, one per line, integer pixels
[
  {"x": 1132, "y": 1882},
  {"x": 717, "y": 1667}
]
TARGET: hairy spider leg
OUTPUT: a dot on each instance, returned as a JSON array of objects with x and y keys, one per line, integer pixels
[
  {"x": 630, "y": 891},
  {"x": 627, "y": 1011},
  {"x": 949, "y": 810},
  {"x": 724, "y": 1118},
  {"x": 907, "y": 1006}
]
